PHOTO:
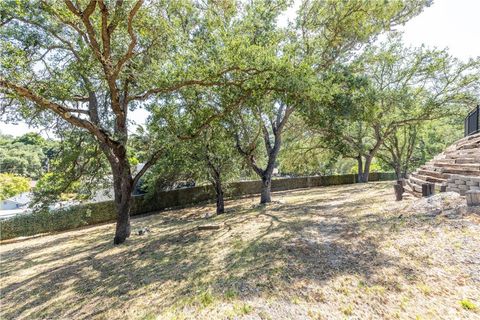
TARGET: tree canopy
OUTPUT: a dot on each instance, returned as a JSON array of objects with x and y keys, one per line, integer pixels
[
  {"x": 223, "y": 85},
  {"x": 12, "y": 185}
]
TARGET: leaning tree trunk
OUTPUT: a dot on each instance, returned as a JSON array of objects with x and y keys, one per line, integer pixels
[
  {"x": 123, "y": 186},
  {"x": 219, "y": 195},
  {"x": 266, "y": 175}
]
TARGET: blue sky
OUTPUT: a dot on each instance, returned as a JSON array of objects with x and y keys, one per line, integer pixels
[{"x": 447, "y": 23}]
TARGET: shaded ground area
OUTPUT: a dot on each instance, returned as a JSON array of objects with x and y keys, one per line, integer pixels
[{"x": 324, "y": 253}]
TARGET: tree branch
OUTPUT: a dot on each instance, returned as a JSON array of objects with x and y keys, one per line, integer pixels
[
  {"x": 201, "y": 82},
  {"x": 133, "y": 39},
  {"x": 153, "y": 159},
  {"x": 63, "y": 112}
]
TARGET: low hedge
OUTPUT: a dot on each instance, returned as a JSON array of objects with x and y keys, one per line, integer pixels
[
  {"x": 57, "y": 220},
  {"x": 95, "y": 213}
]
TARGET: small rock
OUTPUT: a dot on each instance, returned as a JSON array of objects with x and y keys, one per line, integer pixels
[
  {"x": 433, "y": 213},
  {"x": 143, "y": 231}
]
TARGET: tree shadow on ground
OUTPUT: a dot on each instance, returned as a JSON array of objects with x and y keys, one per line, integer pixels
[{"x": 82, "y": 275}]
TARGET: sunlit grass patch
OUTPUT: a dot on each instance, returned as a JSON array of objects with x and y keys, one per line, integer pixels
[
  {"x": 468, "y": 305},
  {"x": 347, "y": 310},
  {"x": 425, "y": 289},
  {"x": 242, "y": 308},
  {"x": 323, "y": 252},
  {"x": 206, "y": 298}
]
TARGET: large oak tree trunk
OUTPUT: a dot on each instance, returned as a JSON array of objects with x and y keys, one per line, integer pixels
[
  {"x": 122, "y": 187},
  {"x": 398, "y": 171},
  {"x": 360, "y": 168},
  {"x": 265, "y": 195},
  {"x": 266, "y": 175},
  {"x": 122, "y": 230},
  {"x": 364, "y": 171}
]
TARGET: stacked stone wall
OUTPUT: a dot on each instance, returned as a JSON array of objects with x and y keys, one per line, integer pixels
[{"x": 461, "y": 184}]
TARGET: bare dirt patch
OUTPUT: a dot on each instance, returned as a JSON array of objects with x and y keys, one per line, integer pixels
[{"x": 324, "y": 253}]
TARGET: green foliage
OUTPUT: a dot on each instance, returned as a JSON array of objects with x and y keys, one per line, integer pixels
[
  {"x": 390, "y": 88},
  {"x": 206, "y": 73},
  {"x": 197, "y": 159},
  {"x": 206, "y": 298},
  {"x": 349, "y": 23},
  {"x": 152, "y": 52},
  {"x": 303, "y": 153},
  {"x": 57, "y": 220},
  {"x": 468, "y": 305},
  {"x": 412, "y": 146},
  {"x": 23, "y": 156},
  {"x": 31, "y": 138},
  {"x": 77, "y": 168},
  {"x": 11, "y": 185}
]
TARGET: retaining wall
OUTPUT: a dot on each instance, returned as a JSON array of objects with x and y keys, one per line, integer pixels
[
  {"x": 100, "y": 212},
  {"x": 461, "y": 184}
]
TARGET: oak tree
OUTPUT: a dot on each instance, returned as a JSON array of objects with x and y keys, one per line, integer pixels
[{"x": 89, "y": 64}]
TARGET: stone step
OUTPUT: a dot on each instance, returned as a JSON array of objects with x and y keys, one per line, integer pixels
[
  {"x": 464, "y": 143},
  {"x": 444, "y": 161},
  {"x": 434, "y": 174},
  {"x": 414, "y": 187},
  {"x": 474, "y": 145},
  {"x": 462, "y": 153},
  {"x": 427, "y": 178},
  {"x": 463, "y": 166},
  {"x": 463, "y": 156},
  {"x": 430, "y": 167},
  {"x": 465, "y": 172},
  {"x": 467, "y": 160},
  {"x": 459, "y": 161},
  {"x": 468, "y": 139},
  {"x": 417, "y": 181}
]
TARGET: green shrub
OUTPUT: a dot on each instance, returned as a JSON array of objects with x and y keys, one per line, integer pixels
[{"x": 57, "y": 220}]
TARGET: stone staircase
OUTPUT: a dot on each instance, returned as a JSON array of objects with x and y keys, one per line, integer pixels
[{"x": 457, "y": 169}]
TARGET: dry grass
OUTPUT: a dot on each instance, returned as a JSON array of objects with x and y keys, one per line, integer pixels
[{"x": 324, "y": 253}]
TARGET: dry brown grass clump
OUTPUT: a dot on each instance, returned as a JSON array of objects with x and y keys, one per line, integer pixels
[{"x": 324, "y": 253}]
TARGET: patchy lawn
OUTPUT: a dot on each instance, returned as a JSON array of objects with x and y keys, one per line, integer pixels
[{"x": 324, "y": 253}]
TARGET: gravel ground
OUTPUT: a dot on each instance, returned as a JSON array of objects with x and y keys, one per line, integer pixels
[{"x": 344, "y": 252}]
